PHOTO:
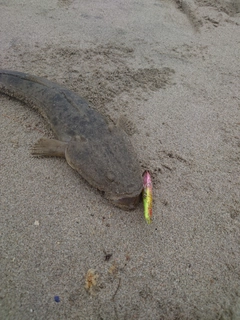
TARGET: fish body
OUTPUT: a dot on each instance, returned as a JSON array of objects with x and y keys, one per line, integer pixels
[
  {"x": 147, "y": 196},
  {"x": 100, "y": 152}
]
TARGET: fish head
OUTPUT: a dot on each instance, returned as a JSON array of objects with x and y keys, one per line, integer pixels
[{"x": 109, "y": 163}]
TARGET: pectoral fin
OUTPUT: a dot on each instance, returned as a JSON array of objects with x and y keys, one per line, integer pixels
[{"x": 49, "y": 148}]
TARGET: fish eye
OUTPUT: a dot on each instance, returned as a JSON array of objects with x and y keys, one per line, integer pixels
[{"x": 110, "y": 176}]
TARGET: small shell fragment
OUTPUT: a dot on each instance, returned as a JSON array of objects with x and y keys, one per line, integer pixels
[
  {"x": 91, "y": 281},
  {"x": 36, "y": 223}
]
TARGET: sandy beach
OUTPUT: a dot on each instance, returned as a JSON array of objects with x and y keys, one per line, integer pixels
[{"x": 168, "y": 73}]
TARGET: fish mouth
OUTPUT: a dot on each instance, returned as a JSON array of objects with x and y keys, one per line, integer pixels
[{"x": 127, "y": 203}]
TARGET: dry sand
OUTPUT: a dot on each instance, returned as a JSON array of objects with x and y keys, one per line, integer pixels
[{"x": 169, "y": 72}]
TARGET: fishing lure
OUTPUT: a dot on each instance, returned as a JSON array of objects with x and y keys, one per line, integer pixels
[{"x": 147, "y": 196}]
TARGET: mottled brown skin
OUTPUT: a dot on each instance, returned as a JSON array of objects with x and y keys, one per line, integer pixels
[{"x": 102, "y": 154}]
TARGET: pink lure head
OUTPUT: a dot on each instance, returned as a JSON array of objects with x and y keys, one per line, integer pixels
[{"x": 147, "y": 182}]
